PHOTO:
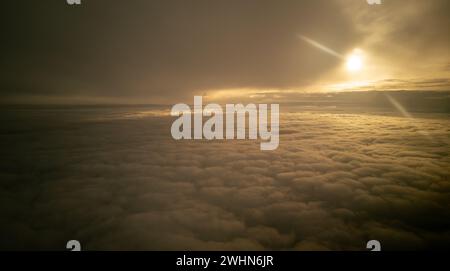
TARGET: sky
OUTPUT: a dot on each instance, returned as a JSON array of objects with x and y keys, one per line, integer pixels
[{"x": 164, "y": 52}]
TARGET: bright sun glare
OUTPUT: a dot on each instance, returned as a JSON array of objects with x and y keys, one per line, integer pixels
[{"x": 354, "y": 63}]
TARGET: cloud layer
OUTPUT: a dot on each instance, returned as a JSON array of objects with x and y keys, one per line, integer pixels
[{"x": 120, "y": 182}]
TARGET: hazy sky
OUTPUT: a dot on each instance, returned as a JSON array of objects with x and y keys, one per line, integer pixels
[{"x": 166, "y": 51}]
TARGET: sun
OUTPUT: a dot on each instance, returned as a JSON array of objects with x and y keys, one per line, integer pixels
[{"x": 354, "y": 62}]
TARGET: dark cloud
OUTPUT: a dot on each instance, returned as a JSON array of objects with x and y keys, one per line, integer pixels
[
  {"x": 158, "y": 51},
  {"x": 165, "y": 49}
]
